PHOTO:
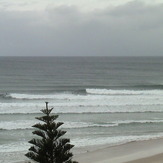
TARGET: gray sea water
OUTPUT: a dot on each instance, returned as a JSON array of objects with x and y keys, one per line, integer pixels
[{"x": 101, "y": 100}]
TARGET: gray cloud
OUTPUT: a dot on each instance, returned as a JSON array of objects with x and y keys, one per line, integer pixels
[{"x": 131, "y": 29}]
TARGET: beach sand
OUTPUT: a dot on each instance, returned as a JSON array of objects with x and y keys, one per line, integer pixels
[
  {"x": 153, "y": 159},
  {"x": 150, "y": 151}
]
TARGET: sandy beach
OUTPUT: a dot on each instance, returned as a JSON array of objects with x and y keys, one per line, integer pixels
[
  {"x": 153, "y": 159},
  {"x": 150, "y": 151}
]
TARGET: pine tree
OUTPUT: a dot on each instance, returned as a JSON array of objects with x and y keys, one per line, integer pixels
[{"x": 49, "y": 147}]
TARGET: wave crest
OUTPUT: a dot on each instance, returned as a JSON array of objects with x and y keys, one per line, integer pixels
[{"x": 123, "y": 92}]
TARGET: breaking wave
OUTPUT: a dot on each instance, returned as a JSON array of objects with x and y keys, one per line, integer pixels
[
  {"x": 123, "y": 92},
  {"x": 27, "y": 124},
  {"x": 91, "y": 93}
]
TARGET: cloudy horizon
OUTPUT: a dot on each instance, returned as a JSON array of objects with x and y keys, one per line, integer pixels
[{"x": 74, "y": 28}]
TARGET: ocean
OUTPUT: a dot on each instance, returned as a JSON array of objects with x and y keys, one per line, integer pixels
[{"x": 101, "y": 100}]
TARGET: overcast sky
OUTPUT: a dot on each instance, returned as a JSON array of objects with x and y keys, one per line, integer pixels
[{"x": 81, "y": 28}]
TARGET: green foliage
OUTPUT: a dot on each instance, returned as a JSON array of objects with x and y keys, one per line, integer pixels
[{"x": 49, "y": 147}]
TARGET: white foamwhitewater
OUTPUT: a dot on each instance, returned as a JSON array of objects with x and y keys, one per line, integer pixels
[
  {"x": 71, "y": 103},
  {"x": 31, "y": 96},
  {"x": 123, "y": 92},
  {"x": 71, "y": 96}
]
